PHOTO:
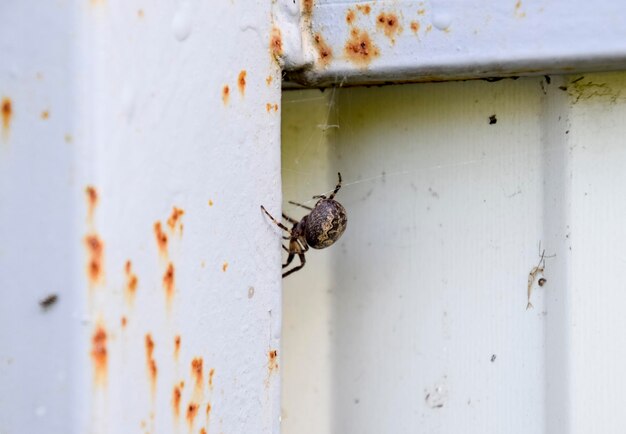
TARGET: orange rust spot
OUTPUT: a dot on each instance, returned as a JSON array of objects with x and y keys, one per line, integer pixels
[
  {"x": 224, "y": 266},
  {"x": 276, "y": 43},
  {"x": 45, "y": 115},
  {"x": 196, "y": 370},
  {"x": 152, "y": 367},
  {"x": 192, "y": 411},
  {"x": 161, "y": 238},
  {"x": 360, "y": 49},
  {"x": 268, "y": 107},
  {"x": 390, "y": 24},
  {"x": 421, "y": 11},
  {"x": 123, "y": 321},
  {"x": 99, "y": 354},
  {"x": 241, "y": 82},
  {"x": 168, "y": 280},
  {"x": 225, "y": 94},
  {"x": 210, "y": 202},
  {"x": 208, "y": 409},
  {"x": 202, "y": 431},
  {"x": 174, "y": 220},
  {"x": 131, "y": 282},
  {"x": 415, "y": 26},
  {"x": 176, "y": 395},
  {"x": 95, "y": 251},
  {"x": 350, "y": 16},
  {"x": 272, "y": 363},
  {"x": 92, "y": 200},
  {"x": 364, "y": 9},
  {"x": 7, "y": 114},
  {"x": 211, "y": 374},
  {"x": 176, "y": 346},
  {"x": 269, "y": 80},
  {"x": 324, "y": 52},
  {"x": 275, "y": 107}
]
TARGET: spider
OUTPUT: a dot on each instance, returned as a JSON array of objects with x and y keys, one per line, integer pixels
[{"x": 320, "y": 228}]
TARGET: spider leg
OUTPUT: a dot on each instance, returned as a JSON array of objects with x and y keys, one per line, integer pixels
[
  {"x": 294, "y": 269},
  {"x": 319, "y": 196},
  {"x": 303, "y": 246},
  {"x": 289, "y": 259},
  {"x": 337, "y": 187},
  {"x": 286, "y": 249},
  {"x": 289, "y": 219},
  {"x": 299, "y": 204},
  {"x": 279, "y": 224}
]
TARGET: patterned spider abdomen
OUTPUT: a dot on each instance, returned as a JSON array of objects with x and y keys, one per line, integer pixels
[{"x": 325, "y": 224}]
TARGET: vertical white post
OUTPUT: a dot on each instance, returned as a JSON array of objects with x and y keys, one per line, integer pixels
[{"x": 138, "y": 142}]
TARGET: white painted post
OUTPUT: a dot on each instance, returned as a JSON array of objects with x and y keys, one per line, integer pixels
[{"x": 138, "y": 142}]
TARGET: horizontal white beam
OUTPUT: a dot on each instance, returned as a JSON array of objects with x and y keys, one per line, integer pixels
[{"x": 377, "y": 42}]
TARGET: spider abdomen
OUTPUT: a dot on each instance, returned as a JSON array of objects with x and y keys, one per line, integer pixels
[{"x": 325, "y": 224}]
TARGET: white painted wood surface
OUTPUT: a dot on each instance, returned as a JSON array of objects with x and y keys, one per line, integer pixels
[
  {"x": 416, "y": 321},
  {"x": 114, "y": 114}
]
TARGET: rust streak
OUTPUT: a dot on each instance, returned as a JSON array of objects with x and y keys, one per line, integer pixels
[
  {"x": 131, "y": 283},
  {"x": 196, "y": 371},
  {"x": 99, "y": 354},
  {"x": 176, "y": 346},
  {"x": 95, "y": 261},
  {"x": 161, "y": 238},
  {"x": 272, "y": 363},
  {"x": 168, "y": 281},
  {"x": 241, "y": 82},
  {"x": 225, "y": 94},
  {"x": 360, "y": 49},
  {"x": 192, "y": 411},
  {"x": 224, "y": 266},
  {"x": 123, "y": 321},
  {"x": 92, "y": 201},
  {"x": 276, "y": 43},
  {"x": 151, "y": 363},
  {"x": 324, "y": 52},
  {"x": 176, "y": 395},
  {"x": 269, "y": 80},
  {"x": 174, "y": 220},
  {"x": 350, "y": 16},
  {"x": 211, "y": 374},
  {"x": 307, "y": 7},
  {"x": 7, "y": 115}
]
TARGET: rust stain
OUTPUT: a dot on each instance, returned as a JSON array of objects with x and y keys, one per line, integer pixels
[
  {"x": 176, "y": 346},
  {"x": 174, "y": 220},
  {"x": 176, "y": 395},
  {"x": 7, "y": 115},
  {"x": 208, "y": 409},
  {"x": 224, "y": 266},
  {"x": 95, "y": 262},
  {"x": 151, "y": 363},
  {"x": 99, "y": 354},
  {"x": 202, "y": 431},
  {"x": 307, "y": 7},
  {"x": 364, "y": 9},
  {"x": 269, "y": 107},
  {"x": 421, "y": 11},
  {"x": 272, "y": 364},
  {"x": 168, "y": 281},
  {"x": 210, "y": 202},
  {"x": 140, "y": 13},
  {"x": 415, "y": 26},
  {"x": 350, "y": 16},
  {"x": 360, "y": 49},
  {"x": 161, "y": 238},
  {"x": 269, "y": 80},
  {"x": 518, "y": 9},
  {"x": 196, "y": 371},
  {"x": 324, "y": 52},
  {"x": 225, "y": 94},
  {"x": 131, "y": 282},
  {"x": 241, "y": 82},
  {"x": 211, "y": 374},
  {"x": 390, "y": 24},
  {"x": 192, "y": 411},
  {"x": 276, "y": 43},
  {"x": 123, "y": 321},
  {"x": 45, "y": 115},
  {"x": 92, "y": 200}
]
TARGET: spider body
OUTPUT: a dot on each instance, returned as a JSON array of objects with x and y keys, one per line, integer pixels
[{"x": 320, "y": 228}]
